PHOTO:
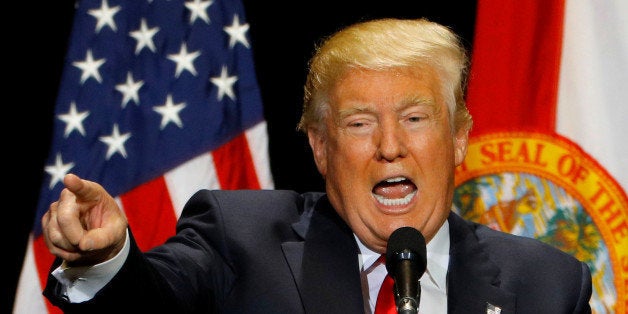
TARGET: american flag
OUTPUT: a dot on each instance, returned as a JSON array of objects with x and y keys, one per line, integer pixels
[{"x": 158, "y": 99}]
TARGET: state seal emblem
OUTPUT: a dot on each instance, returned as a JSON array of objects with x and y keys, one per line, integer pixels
[{"x": 544, "y": 186}]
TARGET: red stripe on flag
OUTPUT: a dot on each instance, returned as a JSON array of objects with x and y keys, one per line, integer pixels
[
  {"x": 234, "y": 165},
  {"x": 151, "y": 215},
  {"x": 44, "y": 259},
  {"x": 515, "y": 65}
]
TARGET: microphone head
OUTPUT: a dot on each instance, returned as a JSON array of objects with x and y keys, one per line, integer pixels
[{"x": 409, "y": 244}]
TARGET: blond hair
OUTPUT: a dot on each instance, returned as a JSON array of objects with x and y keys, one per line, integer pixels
[{"x": 384, "y": 44}]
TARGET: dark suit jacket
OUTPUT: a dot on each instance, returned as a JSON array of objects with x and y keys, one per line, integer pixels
[{"x": 283, "y": 252}]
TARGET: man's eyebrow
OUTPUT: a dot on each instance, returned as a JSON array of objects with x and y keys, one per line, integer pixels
[
  {"x": 343, "y": 113},
  {"x": 405, "y": 103},
  {"x": 418, "y": 100}
]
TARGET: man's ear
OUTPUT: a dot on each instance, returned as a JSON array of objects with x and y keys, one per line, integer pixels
[
  {"x": 318, "y": 144},
  {"x": 461, "y": 142}
]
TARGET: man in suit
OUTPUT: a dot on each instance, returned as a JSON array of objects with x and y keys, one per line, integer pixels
[{"x": 385, "y": 116}]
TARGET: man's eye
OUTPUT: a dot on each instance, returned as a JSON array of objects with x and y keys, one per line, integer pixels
[
  {"x": 415, "y": 118},
  {"x": 360, "y": 127}
]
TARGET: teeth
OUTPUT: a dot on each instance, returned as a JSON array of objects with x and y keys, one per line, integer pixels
[
  {"x": 395, "y": 201},
  {"x": 397, "y": 179}
]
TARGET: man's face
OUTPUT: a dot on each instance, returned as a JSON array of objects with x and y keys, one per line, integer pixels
[{"x": 389, "y": 155}]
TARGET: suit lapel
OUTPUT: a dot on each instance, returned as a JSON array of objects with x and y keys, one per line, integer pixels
[
  {"x": 325, "y": 267},
  {"x": 325, "y": 264},
  {"x": 473, "y": 281}
]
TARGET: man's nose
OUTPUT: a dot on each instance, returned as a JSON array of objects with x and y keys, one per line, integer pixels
[{"x": 391, "y": 142}]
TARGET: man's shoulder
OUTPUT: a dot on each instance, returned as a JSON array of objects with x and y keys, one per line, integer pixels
[
  {"x": 252, "y": 201},
  {"x": 252, "y": 195},
  {"x": 520, "y": 251}
]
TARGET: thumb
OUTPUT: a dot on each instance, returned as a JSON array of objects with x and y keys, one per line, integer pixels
[{"x": 83, "y": 189}]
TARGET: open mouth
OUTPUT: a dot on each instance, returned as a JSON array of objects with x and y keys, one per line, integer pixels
[{"x": 394, "y": 191}]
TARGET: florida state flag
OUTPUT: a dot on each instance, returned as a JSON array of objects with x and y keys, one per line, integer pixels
[{"x": 548, "y": 156}]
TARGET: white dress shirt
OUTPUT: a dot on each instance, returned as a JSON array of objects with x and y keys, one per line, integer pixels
[{"x": 433, "y": 282}]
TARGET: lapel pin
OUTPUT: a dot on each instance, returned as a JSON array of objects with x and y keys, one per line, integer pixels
[{"x": 492, "y": 309}]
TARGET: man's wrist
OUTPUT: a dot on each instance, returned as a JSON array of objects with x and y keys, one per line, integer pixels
[{"x": 81, "y": 283}]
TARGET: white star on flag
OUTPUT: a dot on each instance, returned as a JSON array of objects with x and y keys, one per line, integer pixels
[
  {"x": 105, "y": 15},
  {"x": 58, "y": 171},
  {"x": 129, "y": 90},
  {"x": 170, "y": 112},
  {"x": 198, "y": 9},
  {"x": 115, "y": 141},
  {"x": 89, "y": 67},
  {"x": 184, "y": 60},
  {"x": 73, "y": 120},
  {"x": 237, "y": 32},
  {"x": 144, "y": 37},
  {"x": 224, "y": 82}
]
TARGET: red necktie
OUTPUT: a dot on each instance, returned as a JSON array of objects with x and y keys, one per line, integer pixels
[{"x": 385, "y": 299}]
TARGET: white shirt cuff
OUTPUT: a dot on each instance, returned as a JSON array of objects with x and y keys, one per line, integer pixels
[{"x": 82, "y": 283}]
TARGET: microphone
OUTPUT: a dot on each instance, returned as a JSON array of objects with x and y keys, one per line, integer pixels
[{"x": 406, "y": 259}]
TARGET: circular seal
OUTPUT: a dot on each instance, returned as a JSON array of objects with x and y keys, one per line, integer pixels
[{"x": 546, "y": 187}]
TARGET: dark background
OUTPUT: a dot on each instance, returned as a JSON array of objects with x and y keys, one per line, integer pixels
[{"x": 282, "y": 37}]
